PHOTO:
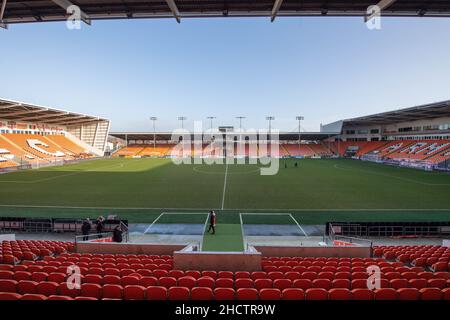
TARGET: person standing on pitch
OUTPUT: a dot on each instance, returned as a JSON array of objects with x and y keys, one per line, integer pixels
[{"x": 212, "y": 221}]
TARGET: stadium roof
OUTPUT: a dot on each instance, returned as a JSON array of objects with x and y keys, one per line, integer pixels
[
  {"x": 167, "y": 135},
  {"x": 16, "y": 11},
  {"x": 426, "y": 111},
  {"x": 20, "y": 111}
]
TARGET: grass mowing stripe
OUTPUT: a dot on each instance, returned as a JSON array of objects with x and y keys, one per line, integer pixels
[{"x": 228, "y": 237}]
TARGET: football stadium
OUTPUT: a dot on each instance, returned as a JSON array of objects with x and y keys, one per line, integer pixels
[{"x": 356, "y": 210}]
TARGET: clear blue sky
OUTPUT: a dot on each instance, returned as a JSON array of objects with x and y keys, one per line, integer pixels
[{"x": 325, "y": 69}]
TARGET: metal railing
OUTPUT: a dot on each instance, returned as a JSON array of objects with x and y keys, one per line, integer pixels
[
  {"x": 93, "y": 236},
  {"x": 332, "y": 237}
]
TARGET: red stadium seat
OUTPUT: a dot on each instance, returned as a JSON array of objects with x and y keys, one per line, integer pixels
[
  {"x": 156, "y": 293},
  {"x": 270, "y": 294},
  {"x": 179, "y": 293},
  {"x": 26, "y": 286},
  {"x": 55, "y": 297},
  {"x": 445, "y": 292},
  {"x": 112, "y": 291},
  {"x": 167, "y": 282},
  {"x": 93, "y": 278},
  {"x": 176, "y": 273},
  {"x": 9, "y": 296},
  {"x": 47, "y": 288},
  {"x": 399, "y": 283},
  {"x": 33, "y": 297},
  {"x": 302, "y": 284},
  {"x": 282, "y": 284},
  {"x": 56, "y": 277},
  {"x": 134, "y": 292},
  {"x": 224, "y": 283},
  {"x": 247, "y": 294},
  {"x": 193, "y": 273},
  {"x": 418, "y": 283},
  {"x": 187, "y": 281},
  {"x": 258, "y": 275},
  {"x": 437, "y": 283},
  {"x": 206, "y": 282},
  {"x": 316, "y": 294},
  {"x": 385, "y": 294},
  {"x": 212, "y": 274},
  {"x": 241, "y": 275},
  {"x": 341, "y": 283},
  {"x": 293, "y": 294},
  {"x": 224, "y": 294},
  {"x": 7, "y": 285},
  {"x": 202, "y": 293},
  {"x": 322, "y": 283},
  {"x": 408, "y": 294},
  {"x": 243, "y": 283},
  {"x": 22, "y": 275},
  {"x": 263, "y": 283},
  {"x": 65, "y": 291},
  {"x": 430, "y": 294},
  {"x": 92, "y": 290},
  {"x": 339, "y": 294},
  {"x": 148, "y": 281},
  {"x": 86, "y": 298},
  {"x": 362, "y": 294},
  {"x": 39, "y": 276}
]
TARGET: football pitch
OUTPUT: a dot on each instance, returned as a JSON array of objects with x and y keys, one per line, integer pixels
[{"x": 315, "y": 192}]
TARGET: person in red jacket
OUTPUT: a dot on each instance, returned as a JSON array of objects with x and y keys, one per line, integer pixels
[{"x": 212, "y": 221}]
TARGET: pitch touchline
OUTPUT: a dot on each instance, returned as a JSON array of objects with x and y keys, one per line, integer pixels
[
  {"x": 224, "y": 186},
  {"x": 229, "y": 209}
]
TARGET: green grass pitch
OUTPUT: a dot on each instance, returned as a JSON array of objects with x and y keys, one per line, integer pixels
[{"x": 315, "y": 192}]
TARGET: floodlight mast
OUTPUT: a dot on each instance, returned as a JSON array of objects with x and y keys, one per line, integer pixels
[
  {"x": 270, "y": 119},
  {"x": 299, "y": 118},
  {"x": 181, "y": 119},
  {"x": 153, "y": 119},
  {"x": 211, "y": 118}
]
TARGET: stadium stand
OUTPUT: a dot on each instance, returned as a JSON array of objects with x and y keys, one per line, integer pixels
[
  {"x": 42, "y": 274},
  {"x": 33, "y": 148}
]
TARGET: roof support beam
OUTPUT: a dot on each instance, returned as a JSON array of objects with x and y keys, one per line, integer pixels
[
  {"x": 2, "y": 13},
  {"x": 382, "y": 4},
  {"x": 66, "y": 3},
  {"x": 173, "y": 7},
  {"x": 9, "y": 106},
  {"x": 65, "y": 119},
  {"x": 17, "y": 113},
  {"x": 44, "y": 116},
  {"x": 275, "y": 9}
]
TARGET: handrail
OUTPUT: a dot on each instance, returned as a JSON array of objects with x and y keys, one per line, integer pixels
[
  {"x": 94, "y": 236},
  {"x": 125, "y": 230}
]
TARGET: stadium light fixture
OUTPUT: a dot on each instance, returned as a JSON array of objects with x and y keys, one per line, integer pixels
[
  {"x": 211, "y": 118},
  {"x": 182, "y": 118},
  {"x": 66, "y": 4},
  {"x": 299, "y": 118},
  {"x": 270, "y": 119},
  {"x": 153, "y": 119},
  {"x": 275, "y": 9}
]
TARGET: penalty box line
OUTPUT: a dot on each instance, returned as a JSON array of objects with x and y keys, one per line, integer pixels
[
  {"x": 274, "y": 214},
  {"x": 175, "y": 213}
]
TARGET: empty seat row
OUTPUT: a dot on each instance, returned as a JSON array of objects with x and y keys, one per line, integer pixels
[{"x": 133, "y": 292}]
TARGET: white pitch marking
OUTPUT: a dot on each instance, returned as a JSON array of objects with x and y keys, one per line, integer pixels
[{"x": 224, "y": 186}]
